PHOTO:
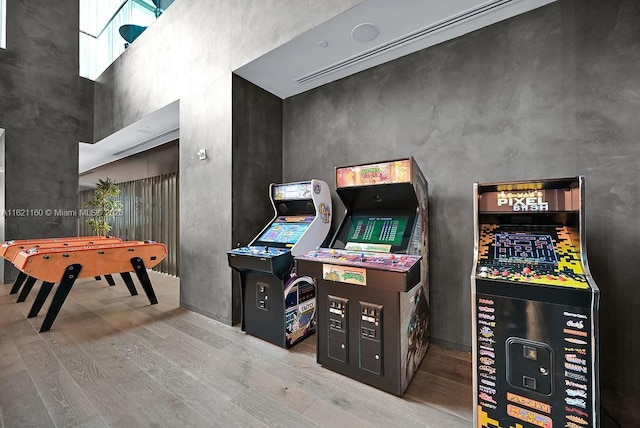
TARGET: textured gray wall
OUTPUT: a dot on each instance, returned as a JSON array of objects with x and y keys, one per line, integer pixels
[
  {"x": 2, "y": 200},
  {"x": 256, "y": 162},
  {"x": 46, "y": 109},
  {"x": 257, "y": 157},
  {"x": 552, "y": 93},
  {"x": 189, "y": 54}
]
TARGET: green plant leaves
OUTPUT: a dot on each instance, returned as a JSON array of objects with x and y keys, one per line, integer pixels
[{"x": 104, "y": 204}]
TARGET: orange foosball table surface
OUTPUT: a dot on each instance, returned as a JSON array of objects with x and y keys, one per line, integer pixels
[
  {"x": 67, "y": 263},
  {"x": 9, "y": 249}
]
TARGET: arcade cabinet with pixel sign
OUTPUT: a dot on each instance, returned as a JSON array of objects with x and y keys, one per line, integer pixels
[
  {"x": 535, "y": 307},
  {"x": 277, "y": 305},
  {"x": 373, "y": 309}
]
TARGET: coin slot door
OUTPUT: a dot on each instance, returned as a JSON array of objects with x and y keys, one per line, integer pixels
[
  {"x": 338, "y": 328},
  {"x": 262, "y": 296},
  {"x": 371, "y": 337},
  {"x": 530, "y": 365}
]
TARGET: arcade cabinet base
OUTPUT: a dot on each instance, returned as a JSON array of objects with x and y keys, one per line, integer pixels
[
  {"x": 535, "y": 348},
  {"x": 378, "y": 338},
  {"x": 280, "y": 312}
]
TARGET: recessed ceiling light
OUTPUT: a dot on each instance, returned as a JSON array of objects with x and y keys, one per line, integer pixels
[
  {"x": 365, "y": 32},
  {"x": 323, "y": 43}
]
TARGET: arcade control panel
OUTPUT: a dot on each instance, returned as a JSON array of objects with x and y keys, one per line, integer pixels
[
  {"x": 370, "y": 260},
  {"x": 396, "y": 272},
  {"x": 277, "y": 261}
]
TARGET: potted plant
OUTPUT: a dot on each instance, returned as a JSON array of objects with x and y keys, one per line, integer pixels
[{"x": 104, "y": 204}]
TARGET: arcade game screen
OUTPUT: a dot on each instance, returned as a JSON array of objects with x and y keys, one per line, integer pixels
[
  {"x": 376, "y": 233},
  {"x": 530, "y": 254},
  {"x": 524, "y": 247},
  {"x": 284, "y": 233}
]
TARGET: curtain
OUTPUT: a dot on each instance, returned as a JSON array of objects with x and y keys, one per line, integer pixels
[{"x": 150, "y": 212}]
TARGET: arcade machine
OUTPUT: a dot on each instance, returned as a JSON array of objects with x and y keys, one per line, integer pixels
[
  {"x": 277, "y": 305},
  {"x": 535, "y": 307},
  {"x": 373, "y": 308}
]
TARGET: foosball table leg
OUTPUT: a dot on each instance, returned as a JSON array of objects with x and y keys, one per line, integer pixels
[
  {"x": 69, "y": 277},
  {"x": 126, "y": 277},
  {"x": 18, "y": 282},
  {"x": 143, "y": 277},
  {"x": 45, "y": 289},
  {"x": 28, "y": 285}
]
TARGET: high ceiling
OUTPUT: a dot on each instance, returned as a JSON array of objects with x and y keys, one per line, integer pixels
[{"x": 371, "y": 33}]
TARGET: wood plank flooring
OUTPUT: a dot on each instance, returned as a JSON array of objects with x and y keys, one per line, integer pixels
[{"x": 112, "y": 360}]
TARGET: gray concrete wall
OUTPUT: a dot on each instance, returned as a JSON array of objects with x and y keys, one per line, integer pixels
[
  {"x": 552, "y": 93},
  {"x": 2, "y": 198},
  {"x": 257, "y": 157},
  {"x": 46, "y": 109},
  {"x": 189, "y": 54},
  {"x": 256, "y": 162}
]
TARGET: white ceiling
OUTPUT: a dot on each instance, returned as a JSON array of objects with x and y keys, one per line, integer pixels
[
  {"x": 160, "y": 127},
  {"x": 327, "y": 53},
  {"x": 404, "y": 26}
]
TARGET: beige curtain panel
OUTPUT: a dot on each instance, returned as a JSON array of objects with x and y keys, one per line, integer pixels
[{"x": 150, "y": 212}]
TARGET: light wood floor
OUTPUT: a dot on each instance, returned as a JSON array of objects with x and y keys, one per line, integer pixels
[{"x": 112, "y": 360}]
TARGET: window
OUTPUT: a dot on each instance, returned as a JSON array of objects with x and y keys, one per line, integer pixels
[{"x": 100, "y": 22}]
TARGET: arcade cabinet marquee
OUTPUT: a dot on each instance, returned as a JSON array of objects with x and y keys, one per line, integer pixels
[
  {"x": 373, "y": 309},
  {"x": 535, "y": 307},
  {"x": 278, "y": 305}
]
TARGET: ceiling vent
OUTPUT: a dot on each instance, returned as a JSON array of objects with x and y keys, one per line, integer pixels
[{"x": 404, "y": 40}]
